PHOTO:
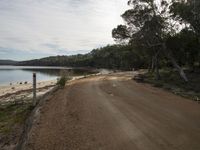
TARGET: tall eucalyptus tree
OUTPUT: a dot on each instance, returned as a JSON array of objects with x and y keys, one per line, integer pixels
[{"x": 146, "y": 26}]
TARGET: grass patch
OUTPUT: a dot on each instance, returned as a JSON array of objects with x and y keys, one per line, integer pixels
[
  {"x": 12, "y": 116},
  {"x": 170, "y": 80}
]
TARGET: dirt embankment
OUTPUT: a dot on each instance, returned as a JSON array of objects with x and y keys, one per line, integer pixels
[{"x": 112, "y": 112}]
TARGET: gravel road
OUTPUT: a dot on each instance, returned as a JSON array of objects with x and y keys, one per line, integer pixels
[{"x": 112, "y": 112}]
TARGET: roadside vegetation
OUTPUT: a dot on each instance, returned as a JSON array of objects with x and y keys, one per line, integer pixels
[
  {"x": 12, "y": 120},
  {"x": 172, "y": 82},
  {"x": 64, "y": 77}
]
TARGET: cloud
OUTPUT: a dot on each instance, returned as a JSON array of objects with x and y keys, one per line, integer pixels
[{"x": 47, "y": 26}]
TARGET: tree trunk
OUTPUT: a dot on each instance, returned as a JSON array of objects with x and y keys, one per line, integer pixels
[
  {"x": 153, "y": 64},
  {"x": 157, "y": 67},
  {"x": 149, "y": 67},
  {"x": 178, "y": 68}
]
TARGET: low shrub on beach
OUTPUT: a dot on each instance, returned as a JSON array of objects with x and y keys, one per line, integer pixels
[
  {"x": 62, "y": 81},
  {"x": 65, "y": 76}
]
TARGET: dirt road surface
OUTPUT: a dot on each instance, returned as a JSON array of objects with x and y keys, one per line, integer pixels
[{"x": 112, "y": 112}]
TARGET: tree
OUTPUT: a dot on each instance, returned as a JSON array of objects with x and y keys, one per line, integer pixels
[
  {"x": 187, "y": 12},
  {"x": 185, "y": 47},
  {"x": 146, "y": 26}
]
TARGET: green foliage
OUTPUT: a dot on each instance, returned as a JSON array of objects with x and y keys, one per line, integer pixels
[
  {"x": 64, "y": 77},
  {"x": 145, "y": 24},
  {"x": 62, "y": 81},
  {"x": 187, "y": 12},
  {"x": 123, "y": 57},
  {"x": 185, "y": 46},
  {"x": 148, "y": 24},
  {"x": 13, "y": 115},
  {"x": 172, "y": 82}
]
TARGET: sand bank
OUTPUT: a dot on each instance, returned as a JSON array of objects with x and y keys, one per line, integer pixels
[{"x": 24, "y": 90}]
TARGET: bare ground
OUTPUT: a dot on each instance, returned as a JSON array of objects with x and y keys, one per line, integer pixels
[{"x": 112, "y": 112}]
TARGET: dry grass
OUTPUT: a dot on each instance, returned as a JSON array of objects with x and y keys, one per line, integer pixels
[
  {"x": 171, "y": 81},
  {"x": 12, "y": 119}
]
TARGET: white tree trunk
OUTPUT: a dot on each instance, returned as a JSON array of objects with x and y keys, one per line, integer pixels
[{"x": 178, "y": 68}]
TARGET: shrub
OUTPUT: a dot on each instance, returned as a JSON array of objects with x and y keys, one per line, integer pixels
[
  {"x": 62, "y": 81},
  {"x": 65, "y": 76},
  {"x": 158, "y": 84}
]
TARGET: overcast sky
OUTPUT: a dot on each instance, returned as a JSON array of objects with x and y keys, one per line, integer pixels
[{"x": 37, "y": 28}]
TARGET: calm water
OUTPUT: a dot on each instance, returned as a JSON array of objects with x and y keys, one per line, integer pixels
[{"x": 14, "y": 74}]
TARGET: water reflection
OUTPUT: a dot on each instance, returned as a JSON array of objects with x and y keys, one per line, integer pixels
[
  {"x": 14, "y": 74},
  {"x": 58, "y": 71}
]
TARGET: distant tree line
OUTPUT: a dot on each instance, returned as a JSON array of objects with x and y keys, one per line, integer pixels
[
  {"x": 7, "y": 62},
  {"x": 123, "y": 57}
]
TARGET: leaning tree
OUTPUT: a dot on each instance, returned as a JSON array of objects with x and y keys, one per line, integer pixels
[
  {"x": 146, "y": 26},
  {"x": 188, "y": 12}
]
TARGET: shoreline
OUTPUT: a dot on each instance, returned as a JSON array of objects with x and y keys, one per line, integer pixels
[
  {"x": 14, "y": 92},
  {"x": 25, "y": 82},
  {"x": 23, "y": 92}
]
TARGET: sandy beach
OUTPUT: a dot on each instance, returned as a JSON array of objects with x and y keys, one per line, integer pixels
[
  {"x": 21, "y": 91},
  {"x": 18, "y": 92}
]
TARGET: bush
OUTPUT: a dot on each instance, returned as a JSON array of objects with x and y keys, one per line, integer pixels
[
  {"x": 65, "y": 76},
  {"x": 62, "y": 81},
  {"x": 157, "y": 84}
]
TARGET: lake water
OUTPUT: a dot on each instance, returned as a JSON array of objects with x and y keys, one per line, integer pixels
[{"x": 14, "y": 74}]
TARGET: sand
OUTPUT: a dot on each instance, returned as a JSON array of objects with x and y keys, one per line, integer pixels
[
  {"x": 21, "y": 91},
  {"x": 18, "y": 92}
]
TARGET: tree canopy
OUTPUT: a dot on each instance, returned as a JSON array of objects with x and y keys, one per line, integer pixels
[{"x": 151, "y": 25}]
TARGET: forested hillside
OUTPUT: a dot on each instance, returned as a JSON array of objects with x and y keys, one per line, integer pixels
[
  {"x": 123, "y": 57},
  {"x": 8, "y": 62}
]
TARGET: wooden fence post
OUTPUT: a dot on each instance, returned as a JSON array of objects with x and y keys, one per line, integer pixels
[{"x": 34, "y": 89}]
